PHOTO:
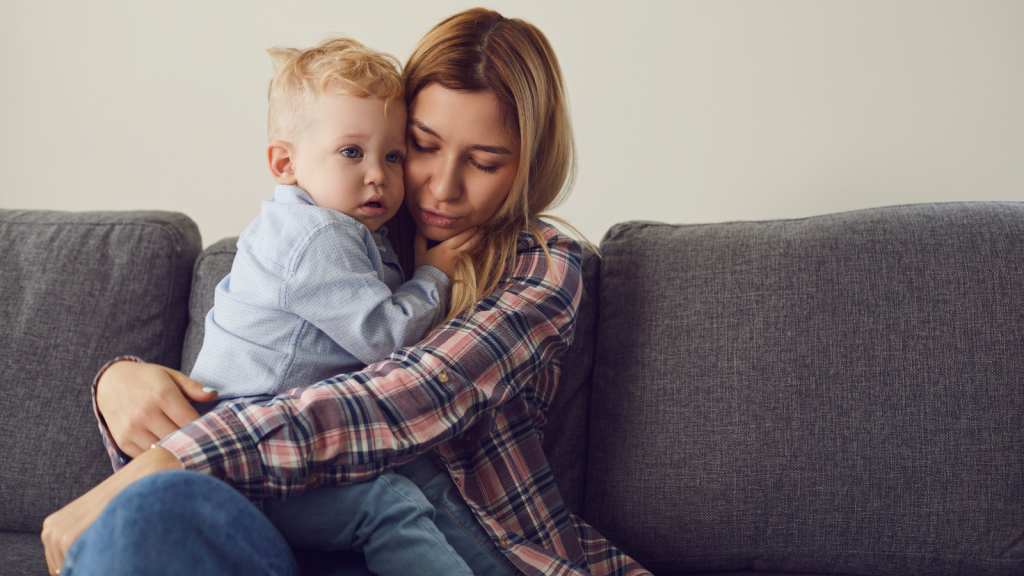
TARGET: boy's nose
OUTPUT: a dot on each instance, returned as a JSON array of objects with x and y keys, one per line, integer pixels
[{"x": 375, "y": 176}]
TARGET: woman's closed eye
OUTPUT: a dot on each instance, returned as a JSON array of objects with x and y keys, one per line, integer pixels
[
  {"x": 420, "y": 147},
  {"x": 483, "y": 167}
]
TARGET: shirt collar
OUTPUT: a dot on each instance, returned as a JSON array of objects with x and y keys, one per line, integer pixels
[{"x": 292, "y": 194}]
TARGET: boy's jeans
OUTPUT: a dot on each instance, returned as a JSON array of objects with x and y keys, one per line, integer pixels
[{"x": 400, "y": 521}]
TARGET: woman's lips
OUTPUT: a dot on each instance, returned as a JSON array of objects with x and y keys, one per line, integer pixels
[{"x": 435, "y": 219}]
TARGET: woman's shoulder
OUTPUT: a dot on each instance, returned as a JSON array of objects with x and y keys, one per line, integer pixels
[
  {"x": 547, "y": 256},
  {"x": 551, "y": 237}
]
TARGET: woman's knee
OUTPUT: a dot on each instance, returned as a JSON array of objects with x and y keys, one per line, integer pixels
[
  {"x": 181, "y": 522},
  {"x": 175, "y": 494}
]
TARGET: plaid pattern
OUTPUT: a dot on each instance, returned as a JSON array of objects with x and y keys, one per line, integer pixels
[{"x": 475, "y": 390}]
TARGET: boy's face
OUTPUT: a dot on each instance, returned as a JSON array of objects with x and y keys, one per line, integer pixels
[{"x": 351, "y": 160}]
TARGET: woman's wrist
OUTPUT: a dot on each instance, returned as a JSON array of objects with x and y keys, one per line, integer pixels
[
  {"x": 106, "y": 370},
  {"x": 150, "y": 462}
]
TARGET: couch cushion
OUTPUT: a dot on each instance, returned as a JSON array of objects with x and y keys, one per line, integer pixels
[
  {"x": 76, "y": 290},
  {"x": 210, "y": 268},
  {"x": 566, "y": 435},
  {"x": 565, "y": 441},
  {"x": 837, "y": 394}
]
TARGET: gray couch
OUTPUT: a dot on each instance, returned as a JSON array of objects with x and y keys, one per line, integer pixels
[{"x": 841, "y": 394}]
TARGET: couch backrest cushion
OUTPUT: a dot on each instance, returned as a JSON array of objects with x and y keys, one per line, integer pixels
[
  {"x": 211, "y": 267},
  {"x": 565, "y": 440},
  {"x": 566, "y": 435},
  {"x": 842, "y": 393},
  {"x": 76, "y": 290}
]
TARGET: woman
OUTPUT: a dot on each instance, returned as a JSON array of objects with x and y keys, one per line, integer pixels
[{"x": 490, "y": 146}]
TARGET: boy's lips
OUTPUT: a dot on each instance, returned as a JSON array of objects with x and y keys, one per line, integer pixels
[
  {"x": 375, "y": 207},
  {"x": 437, "y": 219}
]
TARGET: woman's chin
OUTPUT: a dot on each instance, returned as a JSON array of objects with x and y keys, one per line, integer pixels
[{"x": 435, "y": 234}]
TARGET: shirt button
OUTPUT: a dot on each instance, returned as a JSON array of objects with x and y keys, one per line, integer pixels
[
  {"x": 443, "y": 376},
  {"x": 314, "y": 479},
  {"x": 503, "y": 544}
]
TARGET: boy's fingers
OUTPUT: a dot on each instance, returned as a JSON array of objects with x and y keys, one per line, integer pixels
[
  {"x": 461, "y": 238},
  {"x": 473, "y": 243}
]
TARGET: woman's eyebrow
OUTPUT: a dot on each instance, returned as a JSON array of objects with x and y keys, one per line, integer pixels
[
  {"x": 481, "y": 147},
  {"x": 492, "y": 149},
  {"x": 423, "y": 127}
]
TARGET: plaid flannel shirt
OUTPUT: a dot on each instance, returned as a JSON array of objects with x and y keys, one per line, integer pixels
[{"x": 476, "y": 391}]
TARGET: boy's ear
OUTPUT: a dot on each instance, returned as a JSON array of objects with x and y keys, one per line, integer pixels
[{"x": 280, "y": 158}]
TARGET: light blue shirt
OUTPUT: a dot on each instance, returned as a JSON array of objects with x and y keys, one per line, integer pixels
[{"x": 312, "y": 293}]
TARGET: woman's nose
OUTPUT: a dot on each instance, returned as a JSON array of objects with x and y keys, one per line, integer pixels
[{"x": 445, "y": 186}]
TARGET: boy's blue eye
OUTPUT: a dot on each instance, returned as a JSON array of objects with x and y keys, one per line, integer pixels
[
  {"x": 352, "y": 153},
  {"x": 393, "y": 157}
]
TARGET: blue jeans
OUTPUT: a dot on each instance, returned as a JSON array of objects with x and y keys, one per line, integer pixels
[
  {"x": 206, "y": 527},
  {"x": 387, "y": 519}
]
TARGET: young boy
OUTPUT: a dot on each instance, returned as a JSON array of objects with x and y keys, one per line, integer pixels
[{"x": 315, "y": 289}]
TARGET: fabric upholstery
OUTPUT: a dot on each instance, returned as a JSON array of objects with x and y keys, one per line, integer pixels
[
  {"x": 837, "y": 394},
  {"x": 76, "y": 290},
  {"x": 568, "y": 418},
  {"x": 21, "y": 554},
  {"x": 211, "y": 267}
]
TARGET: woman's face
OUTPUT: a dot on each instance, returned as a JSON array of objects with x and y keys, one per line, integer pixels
[{"x": 461, "y": 160}]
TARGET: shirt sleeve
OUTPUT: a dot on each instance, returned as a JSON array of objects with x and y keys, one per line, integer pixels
[
  {"x": 353, "y": 427},
  {"x": 332, "y": 284},
  {"x": 117, "y": 458}
]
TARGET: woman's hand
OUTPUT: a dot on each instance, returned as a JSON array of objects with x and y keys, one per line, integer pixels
[
  {"x": 143, "y": 403},
  {"x": 63, "y": 527},
  {"x": 444, "y": 255}
]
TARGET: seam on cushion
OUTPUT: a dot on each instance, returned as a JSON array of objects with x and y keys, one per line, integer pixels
[{"x": 179, "y": 240}]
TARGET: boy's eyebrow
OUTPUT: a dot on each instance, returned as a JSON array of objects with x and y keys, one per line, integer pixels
[{"x": 480, "y": 147}]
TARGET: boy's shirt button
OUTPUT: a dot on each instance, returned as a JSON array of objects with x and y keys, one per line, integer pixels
[{"x": 443, "y": 376}]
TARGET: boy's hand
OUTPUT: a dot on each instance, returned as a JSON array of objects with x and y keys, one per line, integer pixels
[{"x": 444, "y": 255}]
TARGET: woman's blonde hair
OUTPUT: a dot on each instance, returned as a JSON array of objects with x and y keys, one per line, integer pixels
[
  {"x": 335, "y": 66},
  {"x": 480, "y": 50}
]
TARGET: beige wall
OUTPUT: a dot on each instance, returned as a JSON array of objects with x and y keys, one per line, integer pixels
[{"x": 684, "y": 111}]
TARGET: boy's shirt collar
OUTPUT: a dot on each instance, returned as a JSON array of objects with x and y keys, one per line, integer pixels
[
  {"x": 295, "y": 195},
  {"x": 292, "y": 194}
]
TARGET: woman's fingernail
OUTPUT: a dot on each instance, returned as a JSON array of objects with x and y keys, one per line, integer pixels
[{"x": 208, "y": 389}]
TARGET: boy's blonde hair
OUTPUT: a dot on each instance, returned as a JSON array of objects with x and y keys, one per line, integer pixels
[{"x": 335, "y": 66}]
